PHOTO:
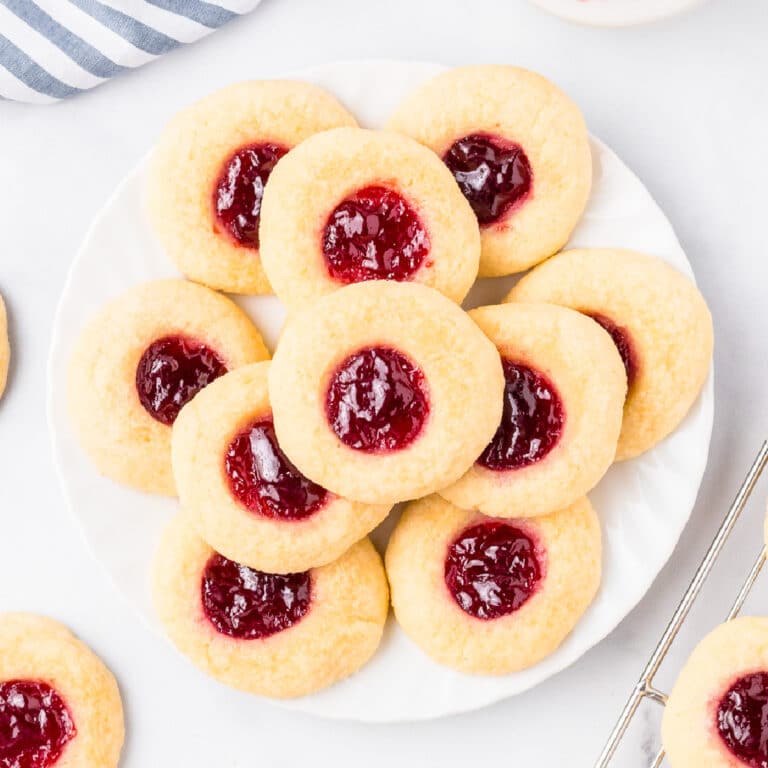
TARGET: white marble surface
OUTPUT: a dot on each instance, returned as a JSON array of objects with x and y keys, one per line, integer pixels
[{"x": 683, "y": 102}]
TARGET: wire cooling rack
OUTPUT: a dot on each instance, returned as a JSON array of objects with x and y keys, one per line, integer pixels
[{"x": 644, "y": 688}]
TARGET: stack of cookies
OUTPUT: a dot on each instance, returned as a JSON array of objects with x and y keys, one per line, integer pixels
[{"x": 493, "y": 424}]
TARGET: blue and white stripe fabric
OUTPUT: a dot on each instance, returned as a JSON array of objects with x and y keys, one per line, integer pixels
[{"x": 53, "y": 49}]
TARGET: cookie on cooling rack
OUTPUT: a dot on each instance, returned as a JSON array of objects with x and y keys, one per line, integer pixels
[
  {"x": 490, "y": 596},
  {"x": 59, "y": 704},
  {"x": 351, "y": 205},
  {"x": 241, "y": 492},
  {"x": 139, "y": 361},
  {"x": 209, "y": 169},
  {"x": 276, "y": 635},
  {"x": 519, "y": 150},
  {"x": 715, "y": 715},
  {"x": 658, "y": 320},
  {"x": 384, "y": 391},
  {"x": 5, "y": 347},
  {"x": 563, "y": 402}
]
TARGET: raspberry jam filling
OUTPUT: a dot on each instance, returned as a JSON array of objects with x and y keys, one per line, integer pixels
[
  {"x": 239, "y": 189},
  {"x": 623, "y": 342},
  {"x": 247, "y": 604},
  {"x": 742, "y": 719},
  {"x": 35, "y": 724},
  {"x": 374, "y": 235},
  {"x": 531, "y": 423},
  {"x": 262, "y": 478},
  {"x": 171, "y": 372},
  {"x": 492, "y": 569},
  {"x": 494, "y": 174},
  {"x": 377, "y": 400}
]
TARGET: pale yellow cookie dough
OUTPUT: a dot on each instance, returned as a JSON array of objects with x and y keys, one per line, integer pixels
[
  {"x": 36, "y": 648},
  {"x": 5, "y": 347},
  {"x": 338, "y": 635},
  {"x": 427, "y": 611},
  {"x": 665, "y": 315},
  {"x": 581, "y": 361},
  {"x": 189, "y": 157},
  {"x": 327, "y": 168},
  {"x": 525, "y": 108},
  {"x": 461, "y": 369},
  {"x": 689, "y": 729},
  {"x": 121, "y": 438},
  {"x": 201, "y": 437}
]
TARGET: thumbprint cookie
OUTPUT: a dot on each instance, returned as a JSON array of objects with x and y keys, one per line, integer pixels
[
  {"x": 562, "y": 407},
  {"x": 5, "y": 347},
  {"x": 518, "y": 148},
  {"x": 384, "y": 391},
  {"x": 350, "y": 205},
  {"x": 139, "y": 361},
  {"x": 490, "y": 596},
  {"x": 716, "y": 713},
  {"x": 276, "y": 635},
  {"x": 241, "y": 492},
  {"x": 209, "y": 169},
  {"x": 658, "y": 320},
  {"x": 59, "y": 705}
]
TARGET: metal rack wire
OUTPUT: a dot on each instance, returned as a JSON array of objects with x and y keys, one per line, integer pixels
[{"x": 644, "y": 688}]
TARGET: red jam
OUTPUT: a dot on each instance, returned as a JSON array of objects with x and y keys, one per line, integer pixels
[
  {"x": 247, "y": 604},
  {"x": 492, "y": 569},
  {"x": 494, "y": 174},
  {"x": 239, "y": 189},
  {"x": 171, "y": 372},
  {"x": 263, "y": 479},
  {"x": 531, "y": 423},
  {"x": 742, "y": 719},
  {"x": 374, "y": 235},
  {"x": 377, "y": 400},
  {"x": 35, "y": 724},
  {"x": 623, "y": 342}
]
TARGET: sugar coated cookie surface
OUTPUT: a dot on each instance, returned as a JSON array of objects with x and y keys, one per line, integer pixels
[
  {"x": 490, "y": 596},
  {"x": 660, "y": 324},
  {"x": 274, "y": 635},
  {"x": 59, "y": 705},
  {"x": 5, "y": 347},
  {"x": 563, "y": 404},
  {"x": 241, "y": 492},
  {"x": 715, "y": 715},
  {"x": 139, "y": 361},
  {"x": 519, "y": 150},
  {"x": 384, "y": 391},
  {"x": 350, "y": 205},
  {"x": 209, "y": 169}
]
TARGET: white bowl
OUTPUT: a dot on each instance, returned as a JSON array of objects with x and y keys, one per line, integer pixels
[{"x": 615, "y": 13}]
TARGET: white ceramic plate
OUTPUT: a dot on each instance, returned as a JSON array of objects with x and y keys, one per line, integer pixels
[
  {"x": 643, "y": 504},
  {"x": 615, "y": 13}
]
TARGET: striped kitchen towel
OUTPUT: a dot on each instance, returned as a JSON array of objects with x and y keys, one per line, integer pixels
[{"x": 52, "y": 49}]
